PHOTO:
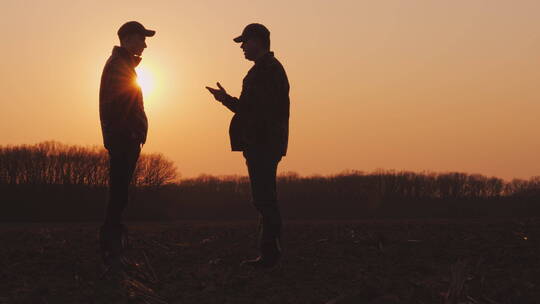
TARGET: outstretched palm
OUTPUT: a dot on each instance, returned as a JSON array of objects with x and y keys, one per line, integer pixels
[{"x": 219, "y": 94}]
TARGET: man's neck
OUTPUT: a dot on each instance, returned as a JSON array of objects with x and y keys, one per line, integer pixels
[
  {"x": 129, "y": 51},
  {"x": 261, "y": 55},
  {"x": 124, "y": 52}
]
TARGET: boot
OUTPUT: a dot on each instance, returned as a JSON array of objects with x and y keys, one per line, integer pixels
[{"x": 113, "y": 241}]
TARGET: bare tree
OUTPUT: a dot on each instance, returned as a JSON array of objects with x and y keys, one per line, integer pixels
[{"x": 154, "y": 170}]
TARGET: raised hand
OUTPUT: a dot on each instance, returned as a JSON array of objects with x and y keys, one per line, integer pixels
[{"x": 219, "y": 94}]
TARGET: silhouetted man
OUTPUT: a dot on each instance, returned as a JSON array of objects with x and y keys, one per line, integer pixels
[
  {"x": 260, "y": 128},
  {"x": 124, "y": 126}
]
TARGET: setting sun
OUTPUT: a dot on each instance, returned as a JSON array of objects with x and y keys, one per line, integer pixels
[{"x": 145, "y": 80}]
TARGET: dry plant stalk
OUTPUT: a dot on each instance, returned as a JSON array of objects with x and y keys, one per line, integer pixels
[{"x": 458, "y": 276}]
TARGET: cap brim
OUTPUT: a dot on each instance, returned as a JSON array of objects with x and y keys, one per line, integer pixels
[
  {"x": 149, "y": 33},
  {"x": 239, "y": 39}
]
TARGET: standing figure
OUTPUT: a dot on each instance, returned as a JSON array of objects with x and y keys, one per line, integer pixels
[
  {"x": 260, "y": 129},
  {"x": 124, "y": 127}
]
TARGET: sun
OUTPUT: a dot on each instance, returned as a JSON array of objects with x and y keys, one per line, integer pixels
[{"x": 145, "y": 80}]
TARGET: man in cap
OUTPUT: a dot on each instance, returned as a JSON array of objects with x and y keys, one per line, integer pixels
[
  {"x": 124, "y": 127},
  {"x": 260, "y": 129}
]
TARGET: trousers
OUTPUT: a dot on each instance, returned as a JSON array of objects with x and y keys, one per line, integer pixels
[
  {"x": 122, "y": 164},
  {"x": 262, "y": 169}
]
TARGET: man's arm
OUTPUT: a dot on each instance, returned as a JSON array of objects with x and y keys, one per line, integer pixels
[
  {"x": 227, "y": 100},
  {"x": 231, "y": 103}
]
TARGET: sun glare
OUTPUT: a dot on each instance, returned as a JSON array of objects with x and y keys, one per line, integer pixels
[{"x": 145, "y": 80}]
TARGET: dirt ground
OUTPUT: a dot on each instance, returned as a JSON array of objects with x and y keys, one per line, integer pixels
[{"x": 416, "y": 261}]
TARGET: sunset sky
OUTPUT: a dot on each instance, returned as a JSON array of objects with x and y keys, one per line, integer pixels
[{"x": 406, "y": 85}]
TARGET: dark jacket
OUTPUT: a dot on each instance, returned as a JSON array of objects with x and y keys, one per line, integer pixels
[
  {"x": 261, "y": 119},
  {"x": 121, "y": 109}
]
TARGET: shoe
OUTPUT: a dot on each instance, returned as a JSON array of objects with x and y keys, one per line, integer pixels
[
  {"x": 113, "y": 241},
  {"x": 261, "y": 262}
]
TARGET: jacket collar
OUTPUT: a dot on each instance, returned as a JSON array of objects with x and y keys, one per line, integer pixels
[{"x": 119, "y": 51}]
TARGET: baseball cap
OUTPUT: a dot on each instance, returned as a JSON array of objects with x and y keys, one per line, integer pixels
[
  {"x": 133, "y": 27},
  {"x": 253, "y": 30}
]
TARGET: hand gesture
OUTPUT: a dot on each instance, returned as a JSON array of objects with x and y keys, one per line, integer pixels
[{"x": 219, "y": 94}]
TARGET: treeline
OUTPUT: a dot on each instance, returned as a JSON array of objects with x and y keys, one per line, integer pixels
[
  {"x": 52, "y": 181},
  {"x": 383, "y": 193},
  {"x": 53, "y": 163}
]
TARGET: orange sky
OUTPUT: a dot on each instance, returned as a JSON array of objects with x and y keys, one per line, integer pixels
[{"x": 414, "y": 85}]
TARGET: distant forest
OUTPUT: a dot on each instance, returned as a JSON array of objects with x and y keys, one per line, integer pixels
[{"x": 51, "y": 181}]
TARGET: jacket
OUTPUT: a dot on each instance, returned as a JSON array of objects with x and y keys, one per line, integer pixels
[
  {"x": 121, "y": 108},
  {"x": 261, "y": 113}
]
